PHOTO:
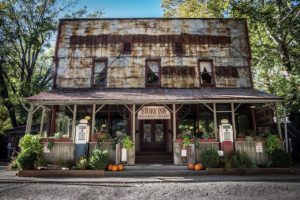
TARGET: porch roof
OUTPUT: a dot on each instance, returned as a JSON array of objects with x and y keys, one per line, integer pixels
[{"x": 153, "y": 95}]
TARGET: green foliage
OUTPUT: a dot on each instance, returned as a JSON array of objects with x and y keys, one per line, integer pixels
[
  {"x": 13, "y": 165},
  {"x": 42, "y": 162},
  {"x": 26, "y": 159},
  {"x": 273, "y": 143},
  {"x": 99, "y": 159},
  {"x": 50, "y": 144},
  {"x": 31, "y": 143},
  {"x": 127, "y": 143},
  {"x": 241, "y": 160},
  {"x": 280, "y": 158},
  {"x": 210, "y": 158},
  {"x": 83, "y": 163}
]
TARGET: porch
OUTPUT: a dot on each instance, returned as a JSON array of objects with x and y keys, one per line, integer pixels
[{"x": 191, "y": 111}]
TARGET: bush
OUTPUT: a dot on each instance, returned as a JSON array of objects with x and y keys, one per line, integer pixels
[
  {"x": 83, "y": 163},
  {"x": 32, "y": 143},
  {"x": 279, "y": 158},
  {"x": 99, "y": 159},
  {"x": 26, "y": 159},
  {"x": 210, "y": 158},
  {"x": 241, "y": 160},
  {"x": 273, "y": 143}
]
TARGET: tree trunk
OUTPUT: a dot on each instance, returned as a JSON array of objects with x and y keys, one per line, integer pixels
[{"x": 6, "y": 101}]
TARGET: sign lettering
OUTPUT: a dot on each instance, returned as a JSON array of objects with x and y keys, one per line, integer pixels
[{"x": 154, "y": 112}]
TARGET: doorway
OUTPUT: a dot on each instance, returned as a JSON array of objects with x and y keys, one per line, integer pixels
[{"x": 153, "y": 135}]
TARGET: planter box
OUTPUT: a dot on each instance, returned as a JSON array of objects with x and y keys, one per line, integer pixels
[
  {"x": 61, "y": 173},
  {"x": 208, "y": 140}
]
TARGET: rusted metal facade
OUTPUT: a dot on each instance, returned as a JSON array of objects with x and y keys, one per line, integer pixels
[{"x": 222, "y": 41}]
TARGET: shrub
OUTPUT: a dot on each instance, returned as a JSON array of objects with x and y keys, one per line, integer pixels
[
  {"x": 26, "y": 159},
  {"x": 210, "y": 158},
  {"x": 279, "y": 158},
  {"x": 128, "y": 143},
  {"x": 99, "y": 159},
  {"x": 241, "y": 160},
  {"x": 82, "y": 163},
  {"x": 273, "y": 143},
  {"x": 32, "y": 143}
]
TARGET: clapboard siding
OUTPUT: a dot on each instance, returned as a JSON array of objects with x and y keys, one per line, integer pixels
[
  {"x": 202, "y": 146},
  {"x": 249, "y": 148},
  {"x": 61, "y": 151}
]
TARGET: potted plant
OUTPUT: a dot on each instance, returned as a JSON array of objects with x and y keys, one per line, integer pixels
[{"x": 127, "y": 147}]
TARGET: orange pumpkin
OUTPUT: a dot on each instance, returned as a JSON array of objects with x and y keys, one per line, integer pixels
[
  {"x": 191, "y": 166},
  {"x": 114, "y": 168},
  {"x": 120, "y": 167},
  {"x": 197, "y": 167},
  {"x": 110, "y": 167},
  {"x": 201, "y": 166}
]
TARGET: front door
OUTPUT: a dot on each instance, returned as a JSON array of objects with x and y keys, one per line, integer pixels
[{"x": 153, "y": 135}]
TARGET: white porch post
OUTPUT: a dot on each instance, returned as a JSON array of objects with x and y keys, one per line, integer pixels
[
  {"x": 133, "y": 123},
  {"x": 29, "y": 119},
  {"x": 233, "y": 121},
  {"x": 93, "y": 120},
  {"x": 42, "y": 120},
  {"x": 74, "y": 123},
  {"x": 278, "y": 121},
  {"x": 174, "y": 125},
  {"x": 215, "y": 121},
  {"x": 285, "y": 130}
]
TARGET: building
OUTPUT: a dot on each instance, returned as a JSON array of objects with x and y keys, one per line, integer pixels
[{"x": 154, "y": 79}]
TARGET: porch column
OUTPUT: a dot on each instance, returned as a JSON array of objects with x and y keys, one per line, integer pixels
[
  {"x": 74, "y": 123},
  {"x": 42, "y": 120},
  {"x": 278, "y": 121},
  {"x": 174, "y": 124},
  {"x": 93, "y": 121},
  {"x": 233, "y": 121},
  {"x": 29, "y": 119},
  {"x": 215, "y": 121},
  {"x": 133, "y": 124},
  {"x": 285, "y": 130}
]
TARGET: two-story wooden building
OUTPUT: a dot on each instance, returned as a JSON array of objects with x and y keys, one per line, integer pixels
[{"x": 153, "y": 79}]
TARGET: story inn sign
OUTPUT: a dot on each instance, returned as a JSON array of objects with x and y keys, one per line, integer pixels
[
  {"x": 156, "y": 80},
  {"x": 153, "y": 112}
]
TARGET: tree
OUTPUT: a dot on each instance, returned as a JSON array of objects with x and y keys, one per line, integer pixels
[
  {"x": 274, "y": 29},
  {"x": 26, "y": 39}
]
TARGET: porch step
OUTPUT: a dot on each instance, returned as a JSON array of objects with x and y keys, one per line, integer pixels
[{"x": 154, "y": 157}]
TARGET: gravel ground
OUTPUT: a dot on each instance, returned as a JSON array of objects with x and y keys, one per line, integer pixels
[{"x": 208, "y": 190}]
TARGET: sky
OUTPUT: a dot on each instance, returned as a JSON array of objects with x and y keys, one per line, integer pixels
[{"x": 124, "y": 8}]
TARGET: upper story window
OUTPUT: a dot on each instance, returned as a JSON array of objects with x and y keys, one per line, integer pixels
[
  {"x": 178, "y": 47},
  {"x": 127, "y": 47},
  {"x": 99, "y": 73},
  {"x": 152, "y": 72},
  {"x": 206, "y": 73}
]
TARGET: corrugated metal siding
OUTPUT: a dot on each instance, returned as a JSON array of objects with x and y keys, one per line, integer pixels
[{"x": 152, "y": 38}]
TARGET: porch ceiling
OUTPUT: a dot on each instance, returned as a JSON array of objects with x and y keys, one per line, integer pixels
[{"x": 154, "y": 95}]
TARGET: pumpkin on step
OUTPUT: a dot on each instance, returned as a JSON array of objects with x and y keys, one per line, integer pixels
[
  {"x": 198, "y": 167},
  {"x": 114, "y": 168},
  {"x": 120, "y": 167},
  {"x": 191, "y": 166},
  {"x": 110, "y": 167}
]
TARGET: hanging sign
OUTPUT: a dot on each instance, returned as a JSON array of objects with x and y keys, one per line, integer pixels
[
  {"x": 259, "y": 147},
  {"x": 154, "y": 112}
]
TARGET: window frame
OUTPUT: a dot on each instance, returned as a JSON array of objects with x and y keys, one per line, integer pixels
[
  {"x": 147, "y": 70},
  {"x": 175, "y": 48},
  {"x": 123, "y": 48},
  {"x": 213, "y": 84},
  {"x": 93, "y": 72}
]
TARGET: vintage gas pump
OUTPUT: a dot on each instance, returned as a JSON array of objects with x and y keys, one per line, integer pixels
[
  {"x": 81, "y": 139},
  {"x": 226, "y": 137}
]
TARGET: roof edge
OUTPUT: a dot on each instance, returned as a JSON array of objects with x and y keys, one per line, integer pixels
[{"x": 143, "y": 18}]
